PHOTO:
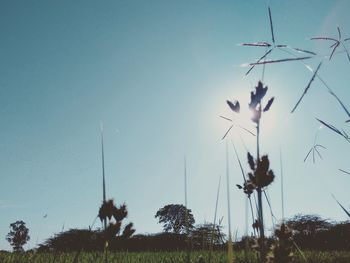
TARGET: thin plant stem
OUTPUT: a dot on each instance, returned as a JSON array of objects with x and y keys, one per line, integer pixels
[
  {"x": 229, "y": 243},
  {"x": 273, "y": 218},
  {"x": 282, "y": 185},
  {"x": 245, "y": 180},
  {"x": 259, "y": 191},
  {"x": 188, "y": 254},
  {"x": 103, "y": 176},
  {"x": 214, "y": 222}
]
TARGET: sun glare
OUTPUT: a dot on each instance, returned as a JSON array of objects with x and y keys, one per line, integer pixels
[{"x": 241, "y": 124}]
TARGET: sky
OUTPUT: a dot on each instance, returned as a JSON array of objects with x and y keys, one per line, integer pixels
[{"x": 157, "y": 74}]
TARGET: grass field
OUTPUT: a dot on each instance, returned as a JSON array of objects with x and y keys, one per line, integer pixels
[{"x": 159, "y": 257}]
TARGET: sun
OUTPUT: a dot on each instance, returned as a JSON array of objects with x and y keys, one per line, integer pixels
[{"x": 242, "y": 122}]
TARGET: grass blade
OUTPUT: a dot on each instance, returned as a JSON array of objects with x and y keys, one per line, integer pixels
[
  {"x": 245, "y": 129},
  {"x": 303, "y": 50},
  {"x": 324, "y": 38},
  {"x": 225, "y": 118},
  {"x": 318, "y": 153},
  {"x": 227, "y": 132},
  {"x": 344, "y": 171},
  {"x": 273, "y": 218},
  {"x": 319, "y": 145},
  {"x": 271, "y": 26},
  {"x": 330, "y": 127},
  {"x": 340, "y": 102},
  {"x": 346, "y": 211},
  {"x": 261, "y": 58},
  {"x": 297, "y": 49},
  {"x": 244, "y": 179},
  {"x": 335, "y": 47},
  {"x": 307, "y": 87},
  {"x": 214, "y": 222},
  {"x": 278, "y": 61},
  {"x": 308, "y": 154},
  {"x": 239, "y": 162},
  {"x": 346, "y": 50},
  {"x": 257, "y": 44},
  {"x": 229, "y": 243},
  {"x": 300, "y": 251},
  {"x": 282, "y": 185},
  {"x": 230, "y": 120}
]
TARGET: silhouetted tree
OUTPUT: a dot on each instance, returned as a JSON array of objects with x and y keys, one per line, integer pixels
[
  {"x": 308, "y": 225},
  {"x": 175, "y": 218},
  {"x": 18, "y": 236},
  {"x": 311, "y": 231}
]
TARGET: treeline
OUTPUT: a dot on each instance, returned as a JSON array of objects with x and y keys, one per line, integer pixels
[
  {"x": 310, "y": 232},
  {"x": 87, "y": 240}
]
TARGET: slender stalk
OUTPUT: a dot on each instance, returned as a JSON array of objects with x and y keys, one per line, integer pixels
[
  {"x": 282, "y": 185},
  {"x": 214, "y": 222},
  {"x": 245, "y": 180},
  {"x": 273, "y": 218},
  {"x": 103, "y": 175},
  {"x": 259, "y": 190},
  {"x": 229, "y": 242},
  {"x": 188, "y": 255},
  {"x": 185, "y": 178},
  {"x": 246, "y": 243}
]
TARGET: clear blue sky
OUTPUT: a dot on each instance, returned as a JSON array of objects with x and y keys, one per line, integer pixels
[{"x": 157, "y": 74}]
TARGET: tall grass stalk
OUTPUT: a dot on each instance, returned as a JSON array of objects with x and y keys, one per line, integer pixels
[
  {"x": 282, "y": 186},
  {"x": 188, "y": 254},
  {"x": 342, "y": 207},
  {"x": 103, "y": 175},
  {"x": 229, "y": 241},
  {"x": 259, "y": 191},
  {"x": 214, "y": 221},
  {"x": 245, "y": 180}
]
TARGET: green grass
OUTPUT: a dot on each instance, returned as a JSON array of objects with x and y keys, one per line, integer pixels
[{"x": 159, "y": 257}]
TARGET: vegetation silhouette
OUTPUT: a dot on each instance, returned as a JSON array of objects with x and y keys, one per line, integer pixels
[
  {"x": 94, "y": 240},
  {"x": 115, "y": 216},
  {"x": 261, "y": 176},
  {"x": 308, "y": 232},
  {"x": 18, "y": 236},
  {"x": 206, "y": 235},
  {"x": 175, "y": 218},
  {"x": 311, "y": 232}
]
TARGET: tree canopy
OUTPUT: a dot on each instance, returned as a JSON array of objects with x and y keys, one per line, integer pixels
[{"x": 175, "y": 218}]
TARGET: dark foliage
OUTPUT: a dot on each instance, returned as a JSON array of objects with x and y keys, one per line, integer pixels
[
  {"x": 261, "y": 175},
  {"x": 311, "y": 232},
  {"x": 234, "y": 105},
  {"x": 89, "y": 240},
  {"x": 175, "y": 218},
  {"x": 255, "y": 104},
  {"x": 115, "y": 216},
  {"x": 74, "y": 240},
  {"x": 18, "y": 236},
  {"x": 205, "y": 234},
  {"x": 282, "y": 248}
]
